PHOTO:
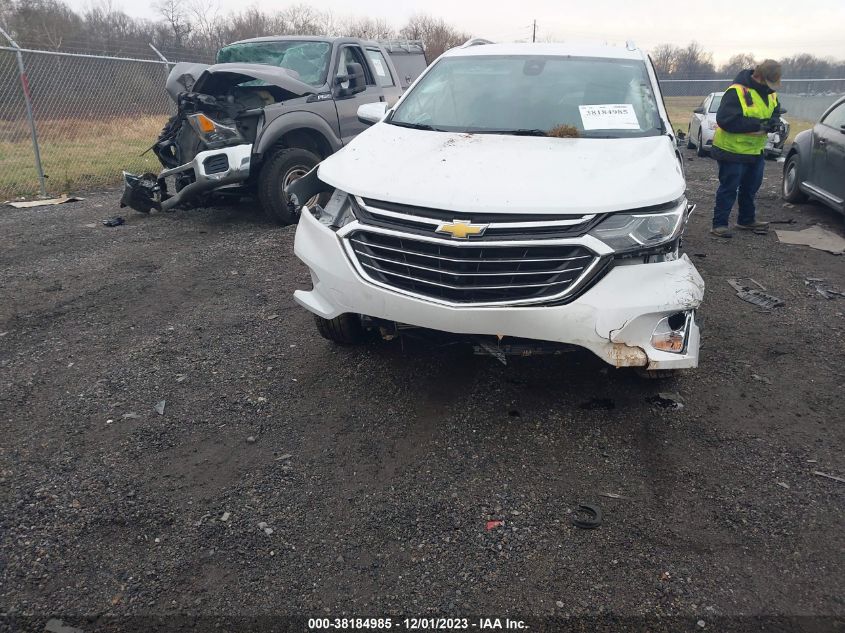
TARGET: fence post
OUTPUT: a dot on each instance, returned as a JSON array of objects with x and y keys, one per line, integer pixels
[{"x": 29, "y": 114}]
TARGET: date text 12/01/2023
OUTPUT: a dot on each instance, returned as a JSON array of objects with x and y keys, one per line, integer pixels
[{"x": 416, "y": 624}]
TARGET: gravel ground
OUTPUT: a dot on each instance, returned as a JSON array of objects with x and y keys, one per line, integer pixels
[{"x": 287, "y": 476}]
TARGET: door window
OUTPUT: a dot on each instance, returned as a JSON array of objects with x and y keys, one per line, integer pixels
[
  {"x": 836, "y": 117},
  {"x": 382, "y": 69},
  {"x": 352, "y": 55}
]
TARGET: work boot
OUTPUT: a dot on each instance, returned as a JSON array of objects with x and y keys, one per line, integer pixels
[
  {"x": 753, "y": 226},
  {"x": 721, "y": 231}
]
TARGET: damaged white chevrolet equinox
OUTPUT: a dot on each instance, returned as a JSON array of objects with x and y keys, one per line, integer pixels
[{"x": 516, "y": 191}]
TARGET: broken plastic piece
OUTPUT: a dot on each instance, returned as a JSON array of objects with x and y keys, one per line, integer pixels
[
  {"x": 115, "y": 221},
  {"x": 141, "y": 193},
  {"x": 492, "y": 525},
  {"x": 755, "y": 296},
  {"x": 594, "y": 519},
  {"x": 825, "y": 475}
]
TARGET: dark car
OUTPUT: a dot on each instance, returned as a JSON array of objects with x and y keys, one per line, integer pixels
[{"x": 815, "y": 165}]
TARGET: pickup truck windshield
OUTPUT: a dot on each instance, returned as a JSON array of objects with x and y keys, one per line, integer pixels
[
  {"x": 536, "y": 96},
  {"x": 309, "y": 60}
]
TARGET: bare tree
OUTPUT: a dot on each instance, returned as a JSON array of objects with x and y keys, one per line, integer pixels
[
  {"x": 736, "y": 63},
  {"x": 369, "y": 28},
  {"x": 665, "y": 59},
  {"x": 694, "y": 62},
  {"x": 436, "y": 35},
  {"x": 175, "y": 16}
]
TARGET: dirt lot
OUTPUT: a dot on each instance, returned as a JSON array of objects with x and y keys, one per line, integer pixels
[{"x": 375, "y": 469}]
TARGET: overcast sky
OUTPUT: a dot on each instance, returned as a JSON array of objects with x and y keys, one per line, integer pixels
[{"x": 724, "y": 27}]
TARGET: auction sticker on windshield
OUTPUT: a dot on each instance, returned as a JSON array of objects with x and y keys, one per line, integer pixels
[
  {"x": 379, "y": 67},
  {"x": 612, "y": 116}
]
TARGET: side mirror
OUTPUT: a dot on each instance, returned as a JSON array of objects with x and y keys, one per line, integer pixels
[
  {"x": 370, "y": 113},
  {"x": 355, "y": 79},
  {"x": 698, "y": 110}
]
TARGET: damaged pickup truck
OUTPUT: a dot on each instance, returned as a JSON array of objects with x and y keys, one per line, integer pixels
[
  {"x": 524, "y": 196},
  {"x": 266, "y": 114}
]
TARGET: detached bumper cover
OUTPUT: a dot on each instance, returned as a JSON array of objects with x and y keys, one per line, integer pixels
[
  {"x": 212, "y": 169},
  {"x": 615, "y": 319}
]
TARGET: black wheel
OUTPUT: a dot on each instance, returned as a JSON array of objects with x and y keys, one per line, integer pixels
[
  {"x": 344, "y": 329},
  {"x": 791, "y": 191},
  {"x": 700, "y": 151},
  {"x": 280, "y": 169},
  {"x": 689, "y": 138}
]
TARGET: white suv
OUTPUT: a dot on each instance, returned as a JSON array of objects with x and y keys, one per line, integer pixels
[{"x": 516, "y": 191}]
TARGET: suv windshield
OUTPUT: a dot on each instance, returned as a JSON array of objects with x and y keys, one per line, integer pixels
[
  {"x": 309, "y": 60},
  {"x": 531, "y": 95}
]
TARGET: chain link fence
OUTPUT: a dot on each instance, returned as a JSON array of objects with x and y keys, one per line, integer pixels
[{"x": 91, "y": 116}]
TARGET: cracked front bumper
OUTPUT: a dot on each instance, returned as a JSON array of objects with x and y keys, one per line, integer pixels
[
  {"x": 615, "y": 319},
  {"x": 211, "y": 170}
]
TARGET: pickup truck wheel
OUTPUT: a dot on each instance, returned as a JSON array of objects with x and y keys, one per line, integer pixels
[
  {"x": 791, "y": 191},
  {"x": 279, "y": 170},
  {"x": 344, "y": 329}
]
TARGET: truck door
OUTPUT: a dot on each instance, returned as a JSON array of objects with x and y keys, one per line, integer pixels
[
  {"x": 385, "y": 76},
  {"x": 347, "y": 106}
]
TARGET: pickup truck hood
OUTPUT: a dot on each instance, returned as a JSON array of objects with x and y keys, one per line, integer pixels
[
  {"x": 218, "y": 78},
  {"x": 509, "y": 174}
]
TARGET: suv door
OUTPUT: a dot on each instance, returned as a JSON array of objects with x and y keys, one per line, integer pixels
[
  {"x": 829, "y": 154},
  {"x": 347, "y": 106}
]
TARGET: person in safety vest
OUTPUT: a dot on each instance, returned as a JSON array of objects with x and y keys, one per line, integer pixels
[{"x": 748, "y": 112}]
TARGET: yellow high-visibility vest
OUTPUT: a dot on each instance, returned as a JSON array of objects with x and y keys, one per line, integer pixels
[{"x": 750, "y": 143}]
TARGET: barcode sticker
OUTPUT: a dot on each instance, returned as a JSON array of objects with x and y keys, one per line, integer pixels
[{"x": 611, "y": 116}]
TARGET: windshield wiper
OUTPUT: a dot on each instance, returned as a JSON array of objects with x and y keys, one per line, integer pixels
[
  {"x": 414, "y": 126},
  {"x": 519, "y": 132}
]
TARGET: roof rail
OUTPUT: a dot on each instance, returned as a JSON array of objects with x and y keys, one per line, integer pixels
[
  {"x": 476, "y": 41},
  {"x": 408, "y": 46},
  {"x": 630, "y": 45}
]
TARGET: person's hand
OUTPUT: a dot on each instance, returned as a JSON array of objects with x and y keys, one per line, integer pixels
[{"x": 769, "y": 125}]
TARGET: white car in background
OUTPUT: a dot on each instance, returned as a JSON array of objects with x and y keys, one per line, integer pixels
[{"x": 702, "y": 128}]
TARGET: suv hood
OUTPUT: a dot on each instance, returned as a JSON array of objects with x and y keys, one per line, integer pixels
[
  {"x": 219, "y": 78},
  {"x": 507, "y": 174}
]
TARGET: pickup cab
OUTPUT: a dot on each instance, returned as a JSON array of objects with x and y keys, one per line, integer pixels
[
  {"x": 266, "y": 114},
  {"x": 518, "y": 195}
]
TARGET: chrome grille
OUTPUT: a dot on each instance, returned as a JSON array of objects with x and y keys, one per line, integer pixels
[
  {"x": 502, "y": 226},
  {"x": 472, "y": 272}
]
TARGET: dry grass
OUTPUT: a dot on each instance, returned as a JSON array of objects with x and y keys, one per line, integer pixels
[{"x": 76, "y": 154}]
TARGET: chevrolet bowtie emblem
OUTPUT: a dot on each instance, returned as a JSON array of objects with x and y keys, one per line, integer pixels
[{"x": 461, "y": 229}]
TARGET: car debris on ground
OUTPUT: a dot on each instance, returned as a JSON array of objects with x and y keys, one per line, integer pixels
[
  {"x": 815, "y": 237},
  {"x": 115, "y": 221},
  {"x": 820, "y": 287},
  {"x": 593, "y": 513},
  {"x": 819, "y": 473},
  {"x": 756, "y": 296},
  {"x": 27, "y": 204}
]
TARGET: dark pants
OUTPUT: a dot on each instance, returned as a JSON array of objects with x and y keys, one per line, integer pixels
[{"x": 737, "y": 178}]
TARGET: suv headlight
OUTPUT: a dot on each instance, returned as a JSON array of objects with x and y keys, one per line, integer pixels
[
  {"x": 634, "y": 232},
  {"x": 338, "y": 211},
  {"x": 214, "y": 132}
]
